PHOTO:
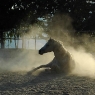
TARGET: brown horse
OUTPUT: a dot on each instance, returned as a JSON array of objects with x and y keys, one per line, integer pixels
[{"x": 62, "y": 62}]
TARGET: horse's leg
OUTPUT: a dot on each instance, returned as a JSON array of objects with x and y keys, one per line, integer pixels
[
  {"x": 42, "y": 66},
  {"x": 49, "y": 65},
  {"x": 55, "y": 68}
]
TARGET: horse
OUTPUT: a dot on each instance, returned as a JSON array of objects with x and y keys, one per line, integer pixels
[{"x": 62, "y": 62}]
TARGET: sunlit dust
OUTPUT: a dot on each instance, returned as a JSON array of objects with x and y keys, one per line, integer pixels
[{"x": 26, "y": 60}]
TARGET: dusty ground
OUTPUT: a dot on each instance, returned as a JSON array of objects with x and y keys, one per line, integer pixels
[{"x": 19, "y": 83}]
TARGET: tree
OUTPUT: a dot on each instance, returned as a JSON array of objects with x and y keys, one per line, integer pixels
[{"x": 13, "y": 13}]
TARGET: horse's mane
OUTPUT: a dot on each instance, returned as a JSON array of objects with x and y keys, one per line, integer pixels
[{"x": 60, "y": 43}]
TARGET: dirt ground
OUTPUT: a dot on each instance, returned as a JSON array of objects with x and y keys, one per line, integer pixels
[{"x": 19, "y": 83}]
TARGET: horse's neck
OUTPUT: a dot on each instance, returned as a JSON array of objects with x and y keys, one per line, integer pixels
[{"x": 59, "y": 52}]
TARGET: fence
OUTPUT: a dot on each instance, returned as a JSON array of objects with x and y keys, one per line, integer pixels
[
  {"x": 24, "y": 42},
  {"x": 27, "y": 43}
]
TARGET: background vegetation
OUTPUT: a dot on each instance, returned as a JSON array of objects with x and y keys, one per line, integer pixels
[{"x": 23, "y": 13}]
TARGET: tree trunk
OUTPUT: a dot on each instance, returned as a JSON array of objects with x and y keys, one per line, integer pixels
[{"x": 2, "y": 40}]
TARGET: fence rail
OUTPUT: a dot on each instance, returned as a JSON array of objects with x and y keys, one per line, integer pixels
[{"x": 24, "y": 43}]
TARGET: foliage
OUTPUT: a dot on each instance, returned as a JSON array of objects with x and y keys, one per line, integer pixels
[{"x": 13, "y": 13}]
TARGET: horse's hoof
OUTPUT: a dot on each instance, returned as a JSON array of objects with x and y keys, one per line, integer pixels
[
  {"x": 29, "y": 73},
  {"x": 47, "y": 70}
]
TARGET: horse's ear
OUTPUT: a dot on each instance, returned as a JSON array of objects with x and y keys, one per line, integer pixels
[{"x": 50, "y": 38}]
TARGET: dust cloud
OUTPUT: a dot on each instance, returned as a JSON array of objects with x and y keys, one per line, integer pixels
[
  {"x": 81, "y": 48},
  {"x": 22, "y": 60},
  {"x": 85, "y": 62}
]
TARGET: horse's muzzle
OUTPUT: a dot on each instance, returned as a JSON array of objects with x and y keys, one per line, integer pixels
[{"x": 41, "y": 52}]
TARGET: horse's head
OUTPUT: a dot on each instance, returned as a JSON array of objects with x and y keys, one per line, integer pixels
[{"x": 48, "y": 47}]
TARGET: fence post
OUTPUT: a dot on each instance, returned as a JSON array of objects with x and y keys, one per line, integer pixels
[{"x": 35, "y": 42}]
